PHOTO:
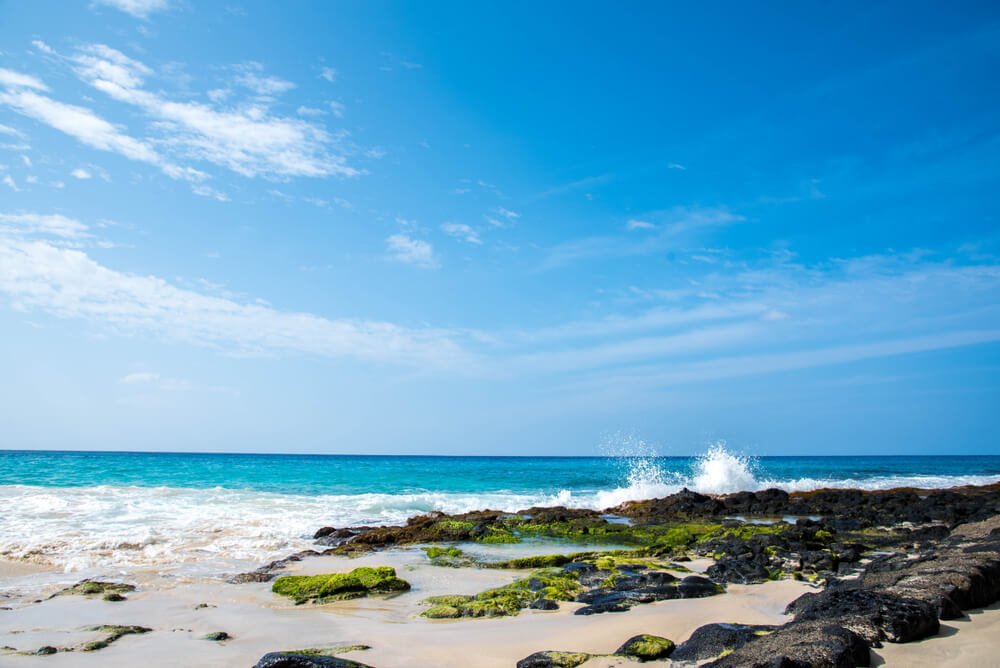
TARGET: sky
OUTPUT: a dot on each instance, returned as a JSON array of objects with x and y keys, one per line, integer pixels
[{"x": 500, "y": 228}]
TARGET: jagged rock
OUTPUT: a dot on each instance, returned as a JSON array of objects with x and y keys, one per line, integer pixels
[
  {"x": 800, "y": 645},
  {"x": 873, "y": 615},
  {"x": 711, "y": 640},
  {"x": 291, "y": 660},
  {"x": 645, "y": 647},
  {"x": 552, "y": 659}
]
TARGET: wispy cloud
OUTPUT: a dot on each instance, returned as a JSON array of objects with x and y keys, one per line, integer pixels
[
  {"x": 674, "y": 226},
  {"x": 249, "y": 141},
  {"x": 84, "y": 125},
  {"x": 37, "y": 275},
  {"x": 80, "y": 173},
  {"x": 405, "y": 249},
  {"x": 461, "y": 231},
  {"x": 140, "y": 9},
  {"x": 250, "y": 75},
  {"x": 329, "y": 74}
]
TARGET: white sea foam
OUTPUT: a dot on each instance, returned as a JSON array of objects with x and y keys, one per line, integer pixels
[{"x": 215, "y": 530}]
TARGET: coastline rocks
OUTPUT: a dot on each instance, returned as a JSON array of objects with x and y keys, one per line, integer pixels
[
  {"x": 552, "y": 659},
  {"x": 291, "y": 660},
  {"x": 95, "y": 588},
  {"x": 340, "y": 586},
  {"x": 645, "y": 647},
  {"x": 712, "y": 640},
  {"x": 266, "y": 572},
  {"x": 873, "y": 615},
  {"x": 800, "y": 645}
]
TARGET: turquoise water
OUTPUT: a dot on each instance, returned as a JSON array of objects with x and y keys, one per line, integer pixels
[
  {"x": 213, "y": 512},
  {"x": 356, "y": 474}
]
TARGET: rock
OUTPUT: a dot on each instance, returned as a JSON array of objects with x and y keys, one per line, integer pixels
[
  {"x": 711, "y": 640},
  {"x": 800, "y": 645},
  {"x": 114, "y": 598},
  {"x": 217, "y": 636},
  {"x": 45, "y": 650},
  {"x": 338, "y": 586},
  {"x": 551, "y": 659},
  {"x": 873, "y": 615},
  {"x": 544, "y": 604},
  {"x": 645, "y": 647},
  {"x": 291, "y": 660},
  {"x": 696, "y": 586}
]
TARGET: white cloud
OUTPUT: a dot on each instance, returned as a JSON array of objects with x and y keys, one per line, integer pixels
[
  {"x": 20, "y": 224},
  {"x": 139, "y": 377},
  {"x": 249, "y": 77},
  {"x": 205, "y": 191},
  {"x": 80, "y": 173},
  {"x": 329, "y": 74},
  {"x": 507, "y": 213},
  {"x": 36, "y": 275},
  {"x": 309, "y": 111},
  {"x": 461, "y": 231},
  {"x": 676, "y": 165},
  {"x": 338, "y": 109},
  {"x": 42, "y": 46},
  {"x": 248, "y": 140},
  {"x": 88, "y": 128},
  {"x": 8, "y": 181},
  {"x": 26, "y": 160},
  {"x": 403, "y": 248},
  {"x": 640, "y": 225},
  {"x": 12, "y": 79},
  {"x": 140, "y": 9},
  {"x": 10, "y": 132}
]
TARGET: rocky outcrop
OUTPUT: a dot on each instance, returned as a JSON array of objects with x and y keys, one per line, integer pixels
[
  {"x": 713, "y": 640},
  {"x": 646, "y": 647},
  {"x": 898, "y": 598},
  {"x": 292, "y": 660}
]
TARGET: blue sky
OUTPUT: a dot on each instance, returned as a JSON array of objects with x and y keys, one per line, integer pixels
[{"x": 471, "y": 228}]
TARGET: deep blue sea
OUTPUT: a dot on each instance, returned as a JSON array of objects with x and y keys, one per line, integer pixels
[{"x": 80, "y": 509}]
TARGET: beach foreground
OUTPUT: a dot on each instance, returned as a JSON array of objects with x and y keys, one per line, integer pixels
[{"x": 835, "y": 578}]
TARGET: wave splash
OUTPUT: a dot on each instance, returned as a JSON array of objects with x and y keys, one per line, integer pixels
[{"x": 212, "y": 531}]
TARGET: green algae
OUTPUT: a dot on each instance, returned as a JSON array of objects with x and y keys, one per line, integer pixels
[
  {"x": 647, "y": 647},
  {"x": 339, "y": 586},
  {"x": 96, "y": 587},
  {"x": 508, "y": 600},
  {"x": 566, "y": 659},
  {"x": 451, "y": 557},
  {"x": 326, "y": 651},
  {"x": 114, "y": 632}
]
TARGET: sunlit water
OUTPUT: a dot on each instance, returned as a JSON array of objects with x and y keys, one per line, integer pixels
[{"x": 78, "y": 511}]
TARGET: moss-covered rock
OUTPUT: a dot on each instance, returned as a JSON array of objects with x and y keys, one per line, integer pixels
[
  {"x": 96, "y": 588},
  {"x": 217, "y": 636},
  {"x": 114, "y": 632},
  {"x": 551, "y": 659},
  {"x": 340, "y": 586},
  {"x": 549, "y": 583},
  {"x": 645, "y": 647},
  {"x": 451, "y": 557}
]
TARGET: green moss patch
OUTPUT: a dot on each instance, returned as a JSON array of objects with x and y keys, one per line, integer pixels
[
  {"x": 97, "y": 588},
  {"x": 340, "y": 586},
  {"x": 114, "y": 632},
  {"x": 549, "y": 583},
  {"x": 646, "y": 647}
]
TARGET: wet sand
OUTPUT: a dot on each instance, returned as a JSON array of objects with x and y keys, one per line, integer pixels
[{"x": 261, "y": 622}]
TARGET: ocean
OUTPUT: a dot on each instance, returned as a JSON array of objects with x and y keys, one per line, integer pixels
[{"x": 85, "y": 510}]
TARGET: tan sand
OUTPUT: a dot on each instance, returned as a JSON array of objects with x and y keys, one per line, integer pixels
[
  {"x": 261, "y": 622},
  {"x": 973, "y": 642}
]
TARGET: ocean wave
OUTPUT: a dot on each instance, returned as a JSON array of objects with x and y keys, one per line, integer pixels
[{"x": 83, "y": 528}]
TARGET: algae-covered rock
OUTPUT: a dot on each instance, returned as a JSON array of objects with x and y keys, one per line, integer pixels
[
  {"x": 114, "y": 632},
  {"x": 551, "y": 584},
  {"x": 645, "y": 647},
  {"x": 340, "y": 586},
  {"x": 96, "y": 588},
  {"x": 551, "y": 659},
  {"x": 293, "y": 660},
  {"x": 217, "y": 636},
  {"x": 713, "y": 640},
  {"x": 451, "y": 557}
]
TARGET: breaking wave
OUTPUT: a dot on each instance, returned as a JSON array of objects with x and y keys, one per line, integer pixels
[{"x": 217, "y": 529}]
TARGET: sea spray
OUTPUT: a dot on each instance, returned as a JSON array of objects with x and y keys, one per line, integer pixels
[{"x": 205, "y": 512}]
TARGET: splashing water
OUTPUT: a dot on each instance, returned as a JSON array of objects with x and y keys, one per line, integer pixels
[{"x": 718, "y": 471}]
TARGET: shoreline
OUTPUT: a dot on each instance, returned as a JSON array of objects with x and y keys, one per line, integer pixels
[{"x": 170, "y": 605}]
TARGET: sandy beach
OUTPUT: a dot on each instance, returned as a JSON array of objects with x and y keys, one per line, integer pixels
[{"x": 181, "y": 611}]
